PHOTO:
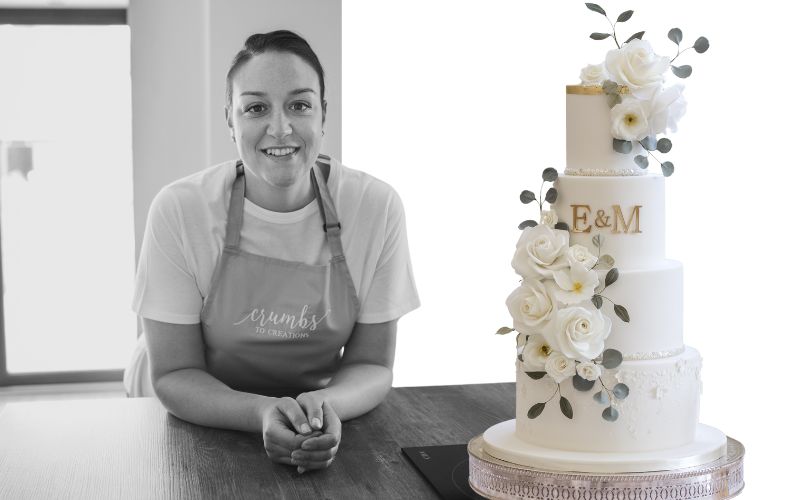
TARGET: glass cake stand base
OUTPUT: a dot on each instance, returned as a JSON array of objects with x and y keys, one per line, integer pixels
[{"x": 498, "y": 479}]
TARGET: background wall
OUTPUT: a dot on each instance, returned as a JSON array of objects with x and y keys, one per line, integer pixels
[{"x": 180, "y": 53}]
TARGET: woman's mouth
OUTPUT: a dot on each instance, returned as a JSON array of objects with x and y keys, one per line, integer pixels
[{"x": 280, "y": 153}]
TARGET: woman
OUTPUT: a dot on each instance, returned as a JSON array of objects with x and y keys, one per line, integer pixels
[{"x": 255, "y": 274}]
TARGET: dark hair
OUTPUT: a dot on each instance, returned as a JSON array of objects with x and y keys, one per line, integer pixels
[{"x": 278, "y": 41}]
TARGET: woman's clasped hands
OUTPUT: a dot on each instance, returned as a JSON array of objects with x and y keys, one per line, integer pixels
[{"x": 304, "y": 431}]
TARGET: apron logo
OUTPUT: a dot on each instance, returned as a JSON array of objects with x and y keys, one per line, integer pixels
[{"x": 260, "y": 320}]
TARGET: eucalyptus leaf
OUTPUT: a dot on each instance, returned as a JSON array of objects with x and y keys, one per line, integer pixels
[
  {"x": 536, "y": 410},
  {"x": 668, "y": 168},
  {"x": 597, "y": 301},
  {"x": 638, "y": 35},
  {"x": 621, "y": 391},
  {"x": 519, "y": 357},
  {"x": 581, "y": 383},
  {"x": 621, "y": 146},
  {"x": 701, "y": 45},
  {"x": 527, "y": 197},
  {"x": 566, "y": 407},
  {"x": 551, "y": 195},
  {"x": 610, "y": 414},
  {"x": 601, "y": 397},
  {"x": 606, "y": 260},
  {"x": 682, "y": 71},
  {"x": 527, "y": 223},
  {"x": 550, "y": 174},
  {"x": 504, "y": 330},
  {"x": 598, "y": 240},
  {"x": 664, "y": 145},
  {"x": 624, "y": 16},
  {"x": 611, "y": 276},
  {"x": 596, "y": 8},
  {"x": 562, "y": 225},
  {"x": 641, "y": 161},
  {"x": 536, "y": 375},
  {"x": 622, "y": 313},
  {"x": 612, "y": 358},
  {"x": 610, "y": 87},
  {"x": 599, "y": 36},
  {"x": 613, "y": 100},
  {"x": 676, "y": 35},
  {"x": 649, "y": 143}
]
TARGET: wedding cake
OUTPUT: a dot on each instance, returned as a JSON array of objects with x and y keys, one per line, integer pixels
[{"x": 605, "y": 383}]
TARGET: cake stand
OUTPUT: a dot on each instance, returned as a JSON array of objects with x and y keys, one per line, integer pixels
[{"x": 498, "y": 479}]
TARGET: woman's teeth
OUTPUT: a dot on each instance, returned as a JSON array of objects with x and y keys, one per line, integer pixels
[{"x": 279, "y": 151}]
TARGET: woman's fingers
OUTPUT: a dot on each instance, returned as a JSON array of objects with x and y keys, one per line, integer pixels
[
  {"x": 303, "y": 456},
  {"x": 332, "y": 423},
  {"x": 294, "y": 414},
  {"x": 323, "y": 442},
  {"x": 312, "y": 406}
]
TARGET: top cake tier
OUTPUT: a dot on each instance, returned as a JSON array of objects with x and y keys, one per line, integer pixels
[{"x": 589, "y": 141}]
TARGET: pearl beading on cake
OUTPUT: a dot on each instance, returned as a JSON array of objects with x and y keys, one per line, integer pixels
[
  {"x": 640, "y": 356},
  {"x": 605, "y": 172}
]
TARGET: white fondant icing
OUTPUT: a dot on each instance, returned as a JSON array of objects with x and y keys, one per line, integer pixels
[
  {"x": 589, "y": 141},
  {"x": 631, "y": 249},
  {"x": 660, "y": 412}
]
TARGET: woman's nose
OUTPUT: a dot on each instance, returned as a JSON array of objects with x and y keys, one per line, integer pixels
[{"x": 278, "y": 125}]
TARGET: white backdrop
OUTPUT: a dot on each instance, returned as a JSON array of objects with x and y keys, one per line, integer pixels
[{"x": 460, "y": 105}]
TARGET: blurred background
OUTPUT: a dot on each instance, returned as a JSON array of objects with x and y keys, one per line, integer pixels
[{"x": 457, "y": 104}]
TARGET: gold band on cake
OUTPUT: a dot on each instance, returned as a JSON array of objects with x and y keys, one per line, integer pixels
[{"x": 592, "y": 89}]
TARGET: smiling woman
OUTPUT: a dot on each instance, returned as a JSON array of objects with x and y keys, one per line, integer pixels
[{"x": 271, "y": 286}]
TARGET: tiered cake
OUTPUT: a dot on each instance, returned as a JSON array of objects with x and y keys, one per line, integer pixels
[{"x": 605, "y": 383}]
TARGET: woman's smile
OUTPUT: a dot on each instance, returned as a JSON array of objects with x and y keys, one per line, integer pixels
[{"x": 281, "y": 153}]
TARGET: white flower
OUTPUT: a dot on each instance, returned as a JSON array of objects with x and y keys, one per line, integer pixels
[
  {"x": 588, "y": 370},
  {"x": 579, "y": 254},
  {"x": 594, "y": 74},
  {"x": 540, "y": 251},
  {"x": 531, "y": 305},
  {"x": 575, "y": 285},
  {"x": 629, "y": 120},
  {"x": 535, "y": 353},
  {"x": 666, "y": 108},
  {"x": 636, "y": 66},
  {"x": 579, "y": 333},
  {"x": 559, "y": 367},
  {"x": 549, "y": 218}
]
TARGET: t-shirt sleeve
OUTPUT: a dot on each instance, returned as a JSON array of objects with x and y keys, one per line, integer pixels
[
  {"x": 392, "y": 292},
  {"x": 165, "y": 287}
]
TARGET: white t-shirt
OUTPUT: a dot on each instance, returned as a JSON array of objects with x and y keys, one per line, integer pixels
[{"x": 185, "y": 235}]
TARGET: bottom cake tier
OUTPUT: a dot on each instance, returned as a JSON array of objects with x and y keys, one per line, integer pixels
[
  {"x": 660, "y": 410},
  {"x": 708, "y": 445}
]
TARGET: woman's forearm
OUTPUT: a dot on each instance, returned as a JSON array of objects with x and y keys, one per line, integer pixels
[
  {"x": 357, "y": 388},
  {"x": 194, "y": 395}
]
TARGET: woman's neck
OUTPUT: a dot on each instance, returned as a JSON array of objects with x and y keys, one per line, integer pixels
[{"x": 279, "y": 198}]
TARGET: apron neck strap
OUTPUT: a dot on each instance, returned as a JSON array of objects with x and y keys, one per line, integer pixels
[
  {"x": 330, "y": 220},
  {"x": 233, "y": 230}
]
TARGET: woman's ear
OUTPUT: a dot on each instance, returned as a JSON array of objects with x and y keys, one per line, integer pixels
[{"x": 324, "y": 109}]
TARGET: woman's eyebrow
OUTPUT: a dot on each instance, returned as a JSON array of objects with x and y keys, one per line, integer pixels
[{"x": 293, "y": 92}]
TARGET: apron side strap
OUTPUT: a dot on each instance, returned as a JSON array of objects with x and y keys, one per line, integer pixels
[
  {"x": 330, "y": 220},
  {"x": 235, "y": 209}
]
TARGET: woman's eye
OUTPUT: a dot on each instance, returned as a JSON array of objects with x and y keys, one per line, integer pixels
[
  {"x": 300, "y": 106},
  {"x": 256, "y": 108}
]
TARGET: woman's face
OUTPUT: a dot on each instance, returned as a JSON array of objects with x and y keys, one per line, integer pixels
[{"x": 276, "y": 116}]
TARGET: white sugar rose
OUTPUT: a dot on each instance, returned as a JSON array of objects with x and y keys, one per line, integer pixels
[
  {"x": 540, "y": 251},
  {"x": 575, "y": 284},
  {"x": 666, "y": 108},
  {"x": 532, "y": 305},
  {"x": 593, "y": 74},
  {"x": 636, "y": 66},
  {"x": 559, "y": 367},
  {"x": 535, "y": 353},
  {"x": 629, "y": 120},
  {"x": 549, "y": 218},
  {"x": 579, "y": 333},
  {"x": 579, "y": 254},
  {"x": 588, "y": 370}
]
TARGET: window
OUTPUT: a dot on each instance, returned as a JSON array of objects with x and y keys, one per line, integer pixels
[{"x": 66, "y": 195}]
